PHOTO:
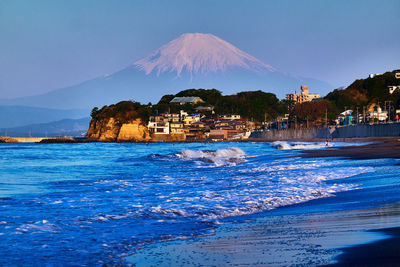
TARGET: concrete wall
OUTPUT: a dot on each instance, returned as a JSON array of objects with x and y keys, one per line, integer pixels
[
  {"x": 366, "y": 130},
  {"x": 290, "y": 134}
]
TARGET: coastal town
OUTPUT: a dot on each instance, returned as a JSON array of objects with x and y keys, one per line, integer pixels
[
  {"x": 204, "y": 124},
  {"x": 199, "y": 126},
  {"x": 197, "y": 115}
]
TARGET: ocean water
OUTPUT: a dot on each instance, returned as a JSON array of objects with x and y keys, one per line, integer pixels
[{"x": 95, "y": 203}]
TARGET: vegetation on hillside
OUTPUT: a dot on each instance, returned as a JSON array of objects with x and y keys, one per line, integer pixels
[
  {"x": 364, "y": 92},
  {"x": 261, "y": 106},
  {"x": 123, "y": 111},
  {"x": 256, "y": 105}
]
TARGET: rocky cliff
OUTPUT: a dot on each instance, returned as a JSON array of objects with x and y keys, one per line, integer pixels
[{"x": 111, "y": 130}]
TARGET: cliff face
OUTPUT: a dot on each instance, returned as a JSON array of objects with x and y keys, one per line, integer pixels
[{"x": 110, "y": 130}]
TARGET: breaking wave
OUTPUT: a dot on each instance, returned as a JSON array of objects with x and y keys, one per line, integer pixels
[
  {"x": 300, "y": 145},
  {"x": 220, "y": 157}
]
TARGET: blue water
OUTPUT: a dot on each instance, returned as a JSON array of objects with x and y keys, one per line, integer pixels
[{"x": 76, "y": 204}]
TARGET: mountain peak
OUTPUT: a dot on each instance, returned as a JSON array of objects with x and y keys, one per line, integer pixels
[{"x": 199, "y": 53}]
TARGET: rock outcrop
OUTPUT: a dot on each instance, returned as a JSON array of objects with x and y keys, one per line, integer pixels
[{"x": 111, "y": 130}]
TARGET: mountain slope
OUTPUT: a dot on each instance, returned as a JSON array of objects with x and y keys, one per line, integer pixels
[
  {"x": 190, "y": 61},
  {"x": 198, "y": 53},
  {"x": 66, "y": 127},
  {"x": 14, "y": 116}
]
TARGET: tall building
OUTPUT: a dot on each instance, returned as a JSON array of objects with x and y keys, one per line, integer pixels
[{"x": 304, "y": 96}]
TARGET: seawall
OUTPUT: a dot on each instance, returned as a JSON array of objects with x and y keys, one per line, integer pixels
[{"x": 352, "y": 131}]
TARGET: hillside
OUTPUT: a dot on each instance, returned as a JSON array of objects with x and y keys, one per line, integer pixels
[
  {"x": 256, "y": 105},
  {"x": 364, "y": 92}
]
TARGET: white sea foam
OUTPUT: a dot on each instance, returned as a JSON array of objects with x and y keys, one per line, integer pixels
[
  {"x": 39, "y": 226},
  {"x": 300, "y": 145},
  {"x": 220, "y": 157}
]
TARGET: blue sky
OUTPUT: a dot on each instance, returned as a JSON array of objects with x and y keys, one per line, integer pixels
[{"x": 47, "y": 45}]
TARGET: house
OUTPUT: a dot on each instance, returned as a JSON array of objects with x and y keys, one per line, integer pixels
[
  {"x": 345, "y": 118},
  {"x": 187, "y": 100},
  {"x": 378, "y": 114},
  {"x": 192, "y": 118},
  {"x": 175, "y": 117},
  {"x": 158, "y": 127},
  {"x": 177, "y": 128},
  {"x": 230, "y": 117},
  {"x": 158, "y": 118},
  {"x": 304, "y": 96}
]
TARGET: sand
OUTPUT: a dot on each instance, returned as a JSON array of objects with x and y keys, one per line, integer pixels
[
  {"x": 378, "y": 148},
  {"x": 296, "y": 235}
]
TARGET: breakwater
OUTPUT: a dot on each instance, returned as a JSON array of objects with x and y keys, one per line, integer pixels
[{"x": 332, "y": 132}]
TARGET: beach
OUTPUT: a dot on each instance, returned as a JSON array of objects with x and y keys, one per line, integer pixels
[
  {"x": 185, "y": 204},
  {"x": 375, "y": 148},
  {"x": 302, "y": 234}
]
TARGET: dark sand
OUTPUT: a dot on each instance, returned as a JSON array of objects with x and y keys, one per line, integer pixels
[
  {"x": 385, "y": 252},
  {"x": 308, "y": 239},
  {"x": 379, "y": 148}
]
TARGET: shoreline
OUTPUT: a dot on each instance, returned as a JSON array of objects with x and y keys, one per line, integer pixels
[
  {"x": 377, "y": 148},
  {"x": 336, "y": 238},
  {"x": 70, "y": 140},
  {"x": 385, "y": 252}
]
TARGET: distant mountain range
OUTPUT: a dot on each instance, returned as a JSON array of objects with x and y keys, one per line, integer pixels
[
  {"x": 193, "y": 60},
  {"x": 14, "y": 116},
  {"x": 67, "y": 127}
]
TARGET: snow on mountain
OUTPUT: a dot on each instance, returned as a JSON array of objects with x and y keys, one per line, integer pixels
[
  {"x": 193, "y": 60},
  {"x": 199, "y": 53}
]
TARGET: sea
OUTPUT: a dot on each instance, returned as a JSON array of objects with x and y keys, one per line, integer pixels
[{"x": 98, "y": 203}]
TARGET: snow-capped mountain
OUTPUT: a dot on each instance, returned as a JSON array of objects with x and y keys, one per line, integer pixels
[
  {"x": 199, "y": 53},
  {"x": 193, "y": 60}
]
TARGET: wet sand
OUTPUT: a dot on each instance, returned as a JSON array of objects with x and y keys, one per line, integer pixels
[
  {"x": 280, "y": 239},
  {"x": 384, "y": 252},
  {"x": 286, "y": 236},
  {"x": 379, "y": 148}
]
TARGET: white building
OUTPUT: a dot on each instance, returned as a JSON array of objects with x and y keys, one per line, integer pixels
[
  {"x": 378, "y": 114},
  {"x": 158, "y": 127},
  {"x": 372, "y": 75},
  {"x": 231, "y": 117}
]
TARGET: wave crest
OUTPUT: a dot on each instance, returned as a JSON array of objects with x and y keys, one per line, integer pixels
[{"x": 220, "y": 157}]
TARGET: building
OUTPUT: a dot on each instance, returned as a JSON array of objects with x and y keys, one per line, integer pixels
[
  {"x": 175, "y": 117},
  {"x": 378, "y": 114},
  {"x": 372, "y": 75},
  {"x": 230, "y": 117},
  {"x": 345, "y": 118},
  {"x": 187, "y": 100},
  {"x": 177, "y": 128},
  {"x": 304, "y": 96},
  {"x": 393, "y": 88},
  {"x": 189, "y": 119},
  {"x": 158, "y": 127}
]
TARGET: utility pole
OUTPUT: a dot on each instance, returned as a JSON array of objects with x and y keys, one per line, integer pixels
[
  {"x": 326, "y": 118},
  {"x": 357, "y": 116},
  {"x": 363, "y": 114}
]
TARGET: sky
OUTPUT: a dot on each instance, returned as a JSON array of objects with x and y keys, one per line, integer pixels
[{"x": 45, "y": 45}]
